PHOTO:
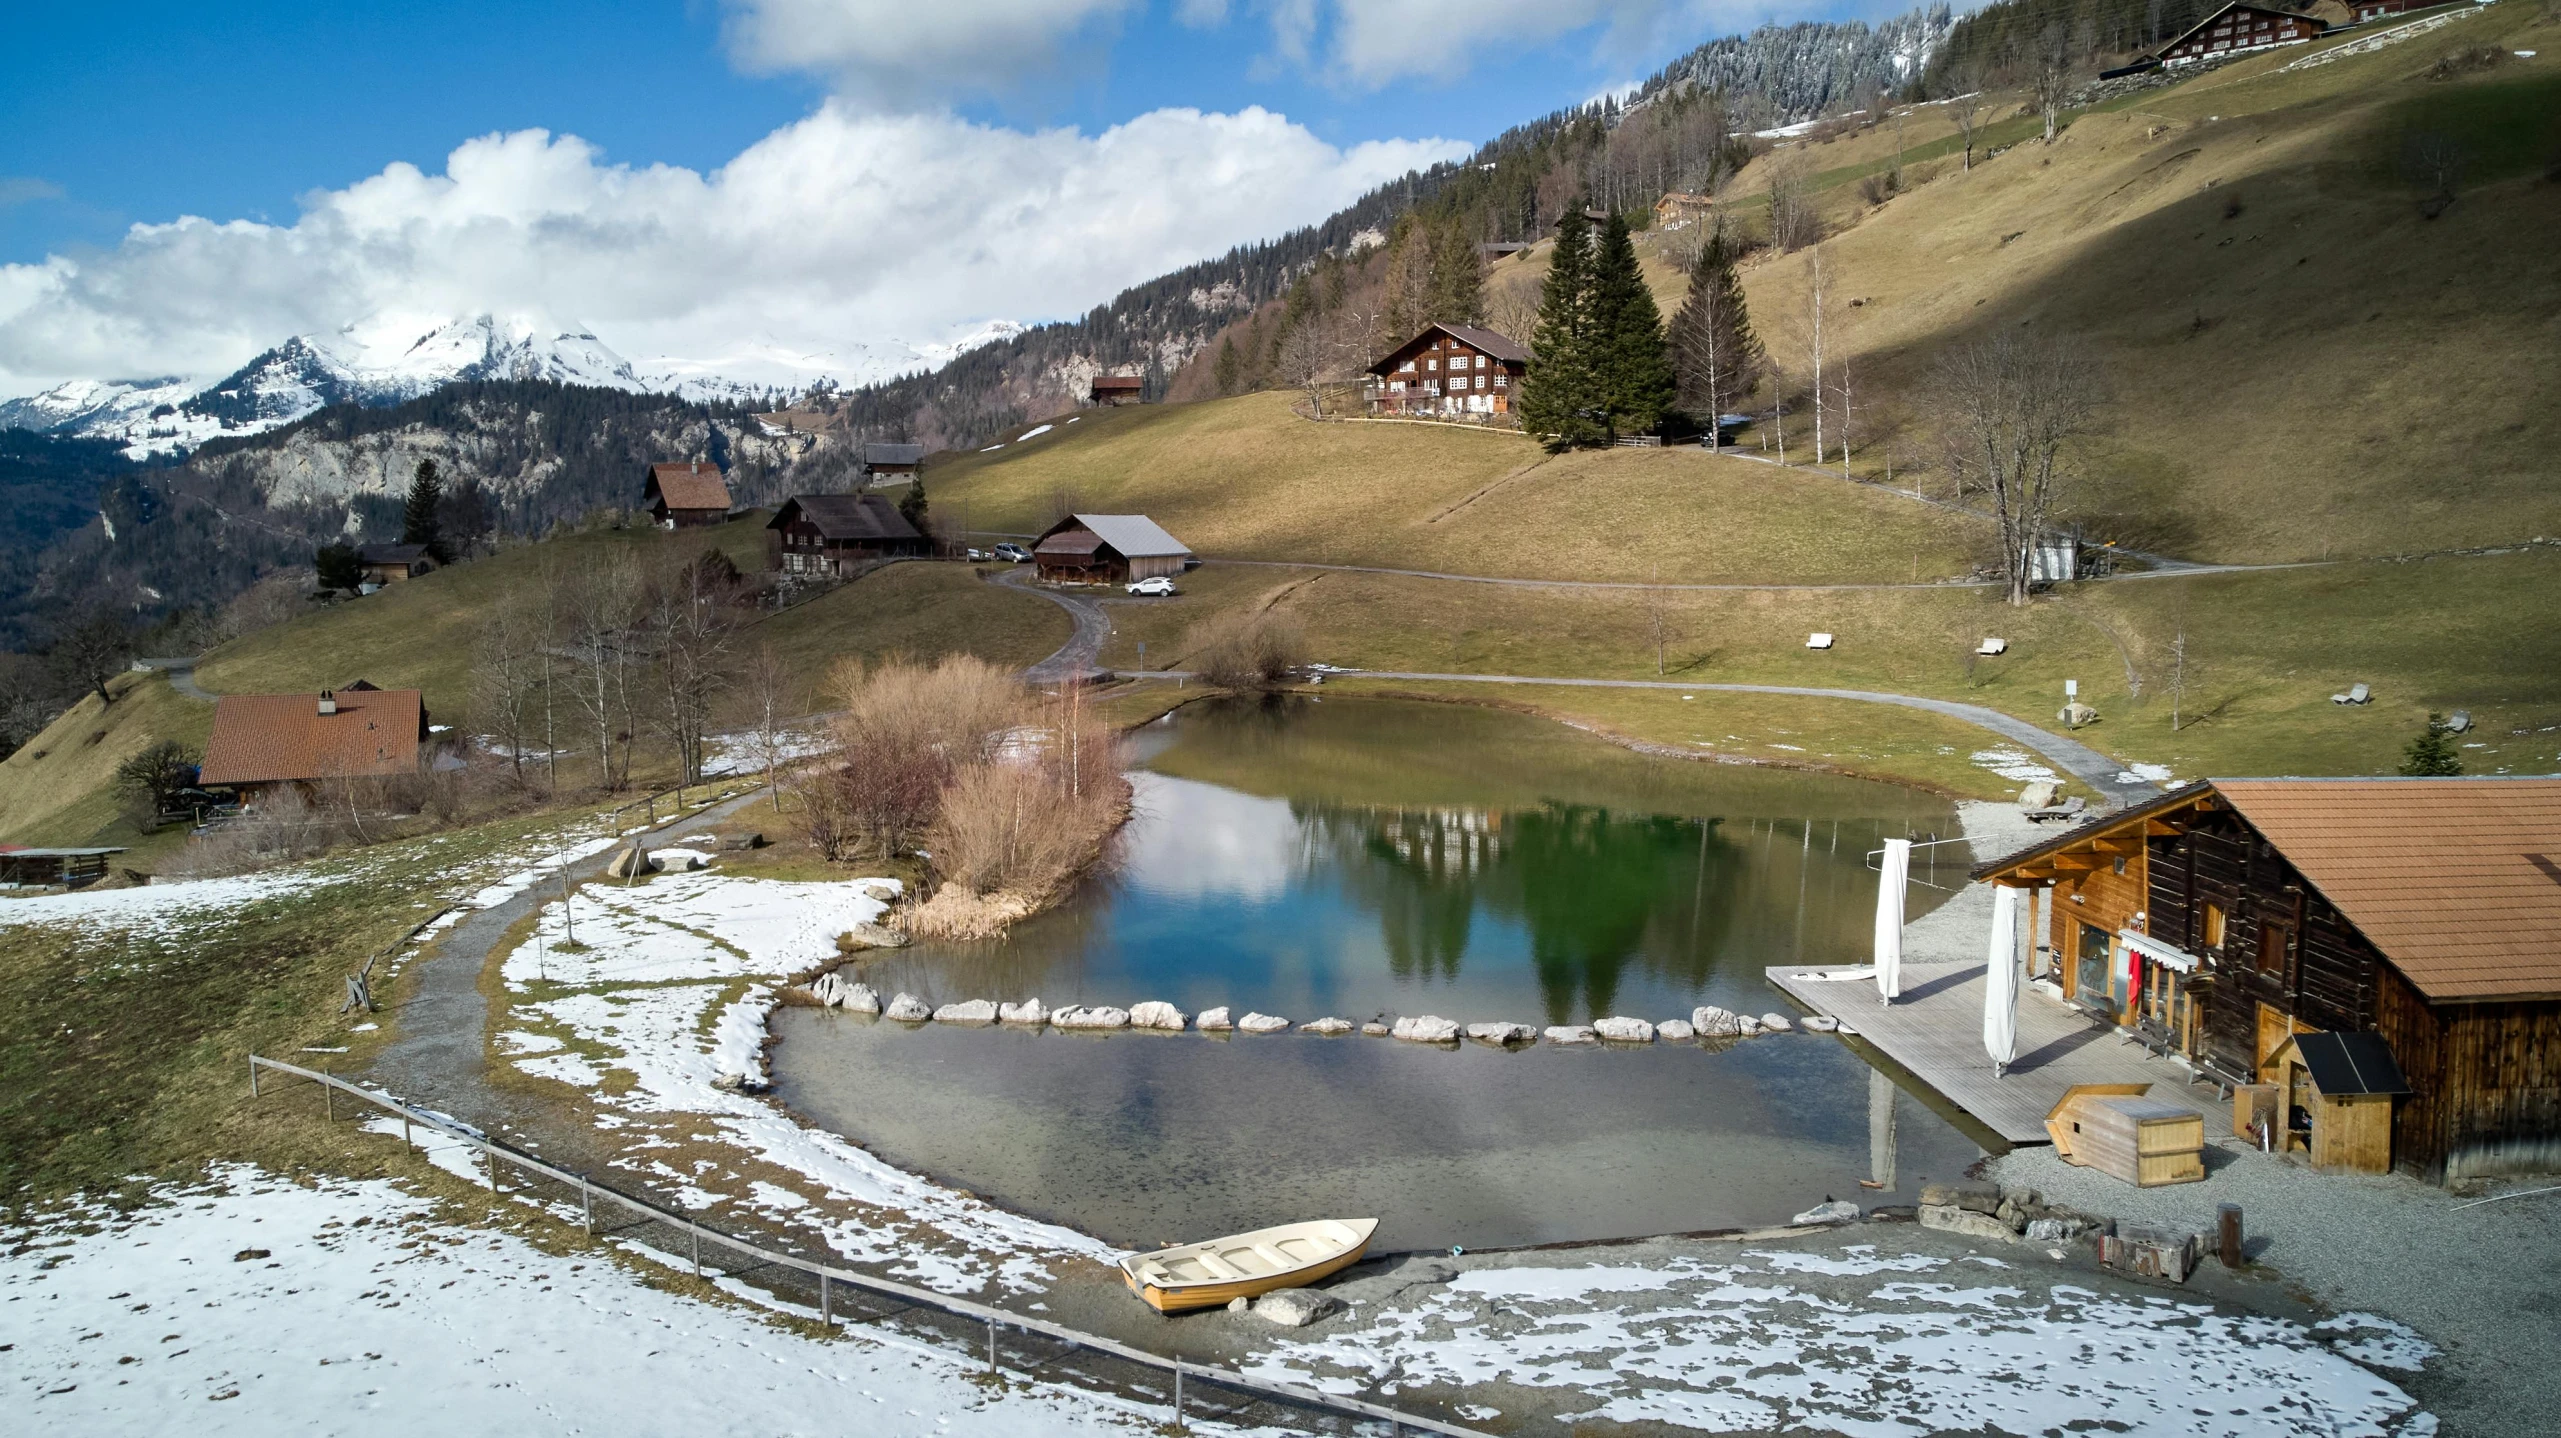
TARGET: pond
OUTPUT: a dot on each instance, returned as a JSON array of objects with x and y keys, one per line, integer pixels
[{"x": 1361, "y": 858}]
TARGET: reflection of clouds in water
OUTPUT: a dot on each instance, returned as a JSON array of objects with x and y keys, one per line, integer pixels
[{"x": 1199, "y": 839}]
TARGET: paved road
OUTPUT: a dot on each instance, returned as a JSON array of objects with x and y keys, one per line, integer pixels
[
  {"x": 2084, "y": 763},
  {"x": 1077, "y": 657},
  {"x": 2171, "y": 569},
  {"x": 182, "y": 675}
]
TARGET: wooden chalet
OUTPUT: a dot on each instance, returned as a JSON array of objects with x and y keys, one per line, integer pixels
[
  {"x": 1112, "y": 389},
  {"x": 394, "y": 563},
  {"x": 1108, "y": 549},
  {"x": 262, "y": 741},
  {"x": 883, "y": 463},
  {"x": 2237, "y": 29},
  {"x": 1678, "y": 208},
  {"x": 686, "y": 495},
  {"x": 2232, "y": 921},
  {"x": 834, "y": 534},
  {"x": 1448, "y": 369}
]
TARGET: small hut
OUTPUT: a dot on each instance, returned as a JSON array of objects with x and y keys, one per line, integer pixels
[{"x": 2334, "y": 1097}]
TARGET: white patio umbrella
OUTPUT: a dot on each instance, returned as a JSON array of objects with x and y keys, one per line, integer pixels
[
  {"x": 2001, "y": 981},
  {"x": 1889, "y": 918}
]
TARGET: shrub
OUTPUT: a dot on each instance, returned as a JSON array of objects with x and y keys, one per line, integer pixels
[
  {"x": 906, "y": 730},
  {"x": 1259, "y": 651}
]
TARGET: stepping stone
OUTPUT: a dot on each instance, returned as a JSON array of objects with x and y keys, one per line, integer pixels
[
  {"x": 1327, "y": 1027},
  {"x": 1029, "y": 1011},
  {"x": 859, "y": 999},
  {"x": 1776, "y": 1023},
  {"x": 1426, "y": 1029},
  {"x": 1618, "y": 1028},
  {"x": 1215, "y": 1021},
  {"x": 1375, "y": 1030},
  {"x": 1571, "y": 1034},
  {"x": 1076, "y": 1016},
  {"x": 972, "y": 1011},
  {"x": 1504, "y": 1035},
  {"x": 1675, "y": 1031},
  {"x": 1820, "y": 1023},
  {"x": 909, "y": 1009},
  {"x": 1262, "y": 1023},
  {"x": 1157, "y": 1015}
]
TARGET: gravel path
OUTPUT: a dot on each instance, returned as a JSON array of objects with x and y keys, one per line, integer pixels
[{"x": 1077, "y": 657}]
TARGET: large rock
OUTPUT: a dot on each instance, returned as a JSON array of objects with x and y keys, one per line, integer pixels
[
  {"x": 827, "y": 990},
  {"x": 1712, "y": 1021},
  {"x": 1328, "y": 1027},
  {"x": 1820, "y": 1023},
  {"x": 970, "y": 1011},
  {"x": 676, "y": 861},
  {"x": 1837, "y": 1210},
  {"x": 629, "y": 862},
  {"x": 871, "y": 936},
  {"x": 1425, "y": 1029},
  {"x": 1952, "y": 1219},
  {"x": 884, "y": 891},
  {"x": 1295, "y": 1307},
  {"x": 1156, "y": 1014},
  {"x": 1745, "y": 1025},
  {"x": 748, "y": 839},
  {"x": 1505, "y": 1035},
  {"x": 1375, "y": 1030},
  {"x": 1077, "y": 1016},
  {"x": 908, "y": 1009},
  {"x": 1675, "y": 1031},
  {"x": 2040, "y": 795},
  {"x": 1029, "y": 1011},
  {"x": 1215, "y": 1021},
  {"x": 860, "y": 999},
  {"x": 1262, "y": 1023},
  {"x": 1570, "y": 1034},
  {"x": 1776, "y": 1023},
  {"x": 1619, "y": 1028}
]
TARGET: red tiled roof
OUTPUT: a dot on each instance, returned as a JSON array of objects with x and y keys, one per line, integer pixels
[
  {"x": 263, "y": 738},
  {"x": 689, "y": 486}
]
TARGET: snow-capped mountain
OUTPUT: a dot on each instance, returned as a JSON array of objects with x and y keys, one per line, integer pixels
[{"x": 385, "y": 360}]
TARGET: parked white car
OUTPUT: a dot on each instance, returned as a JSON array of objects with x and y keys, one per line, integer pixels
[{"x": 1153, "y": 587}]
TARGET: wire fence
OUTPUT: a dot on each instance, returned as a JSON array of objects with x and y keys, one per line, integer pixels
[{"x": 844, "y": 1297}]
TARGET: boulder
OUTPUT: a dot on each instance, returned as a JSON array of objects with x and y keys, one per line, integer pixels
[
  {"x": 749, "y": 839},
  {"x": 871, "y": 936},
  {"x": 1675, "y": 1031},
  {"x": 859, "y": 999},
  {"x": 1505, "y": 1035},
  {"x": 1819, "y": 1023},
  {"x": 971, "y": 1011},
  {"x": 908, "y": 1009},
  {"x": 1215, "y": 1021},
  {"x": 1835, "y": 1210},
  {"x": 1776, "y": 1023},
  {"x": 1570, "y": 1034},
  {"x": 1375, "y": 1030},
  {"x": 1425, "y": 1029},
  {"x": 1327, "y": 1027},
  {"x": 1295, "y": 1307},
  {"x": 827, "y": 990},
  {"x": 1949, "y": 1218},
  {"x": 1618, "y": 1028},
  {"x": 2040, "y": 795},
  {"x": 881, "y": 891},
  {"x": 1029, "y": 1011},
  {"x": 1745, "y": 1025},
  {"x": 629, "y": 862},
  {"x": 1156, "y": 1014},
  {"x": 1077, "y": 1016},
  {"x": 1714, "y": 1022},
  {"x": 1262, "y": 1023}
]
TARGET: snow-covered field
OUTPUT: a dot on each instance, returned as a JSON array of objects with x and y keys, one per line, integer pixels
[
  {"x": 1872, "y": 1345},
  {"x": 255, "y": 1305}
]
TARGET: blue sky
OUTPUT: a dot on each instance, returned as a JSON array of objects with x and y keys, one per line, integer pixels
[{"x": 273, "y": 113}]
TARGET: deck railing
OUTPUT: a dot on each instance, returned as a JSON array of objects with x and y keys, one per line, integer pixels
[{"x": 829, "y": 1278}]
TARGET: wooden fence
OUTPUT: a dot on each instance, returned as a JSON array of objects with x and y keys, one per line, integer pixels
[{"x": 830, "y": 1279}]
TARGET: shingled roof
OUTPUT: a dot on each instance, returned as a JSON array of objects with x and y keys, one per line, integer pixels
[
  {"x": 893, "y": 454},
  {"x": 846, "y": 518},
  {"x": 267, "y": 738},
  {"x": 694, "y": 485}
]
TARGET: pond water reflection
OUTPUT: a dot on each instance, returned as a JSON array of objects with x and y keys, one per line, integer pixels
[{"x": 1371, "y": 858}]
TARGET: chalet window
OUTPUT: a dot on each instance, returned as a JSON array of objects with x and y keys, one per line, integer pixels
[
  {"x": 2120, "y": 865},
  {"x": 1480, "y": 361},
  {"x": 1502, "y": 381},
  {"x": 2213, "y": 935},
  {"x": 1406, "y": 368},
  {"x": 1431, "y": 364},
  {"x": 2276, "y": 941}
]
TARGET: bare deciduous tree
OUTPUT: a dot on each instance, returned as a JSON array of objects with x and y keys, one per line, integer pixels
[
  {"x": 1966, "y": 106},
  {"x": 2015, "y": 402},
  {"x": 686, "y": 625},
  {"x": 1309, "y": 356},
  {"x": 600, "y": 651},
  {"x": 507, "y": 677},
  {"x": 765, "y": 702},
  {"x": 1793, "y": 224},
  {"x": 2052, "y": 77}
]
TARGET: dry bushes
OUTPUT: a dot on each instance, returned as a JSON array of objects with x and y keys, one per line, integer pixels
[
  {"x": 905, "y": 731},
  {"x": 1257, "y": 651},
  {"x": 1029, "y": 824}
]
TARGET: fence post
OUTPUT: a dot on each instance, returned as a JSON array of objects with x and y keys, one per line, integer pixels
[
  {"x": 253, "y": 1075},
  {"x": 695, "y": 1229},
  {"x": 328, "y": 1097},
  {"x": 1178, "y": 1393},
  {"x": 991, "y": 1347},
  {"x": 489, "y": 1163},
  {"x": 405, "y": 1141},
  {"x": 586, "y": 1206},
  {"x": 826, "y": 1302}
]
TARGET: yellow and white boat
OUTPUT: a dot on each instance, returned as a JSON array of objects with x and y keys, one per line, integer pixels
[{"x": 1222, "y": 1270}]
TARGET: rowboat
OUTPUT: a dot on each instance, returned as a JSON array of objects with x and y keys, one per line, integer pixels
[{"x": 1222, "y": 1270}]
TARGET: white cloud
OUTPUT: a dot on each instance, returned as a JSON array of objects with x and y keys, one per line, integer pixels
[
  {"x": 1374, "y": 45},
  {"x": 840, "y": 229},
  {"x": 897, "y": 53}
]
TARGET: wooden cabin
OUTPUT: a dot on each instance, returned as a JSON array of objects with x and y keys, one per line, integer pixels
[
  {"x": 685, "y": 496},
  {"x": 834, "y": 534},
  {"x": 1677, "y": 208},
  {"x": 262, "y": 741},
  {"x": 1114, "y": 389},
  {"x": 394, "y": 563},
  {"x": 1448, "y": 369},
  {"x": 2222, "y": 920},
  {"x": 883, "y": 463},
  {"x": 2237, "y": 29},
  {"x": 1108, "y": 549},
  {"x": 24, "y": 867}
]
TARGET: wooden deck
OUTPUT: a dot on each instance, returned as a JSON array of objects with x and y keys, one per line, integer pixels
[{"x": 1936, "y": 1031}]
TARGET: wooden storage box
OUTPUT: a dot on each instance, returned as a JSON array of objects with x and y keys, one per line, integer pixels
[{"x": 2143, "y": 1141}]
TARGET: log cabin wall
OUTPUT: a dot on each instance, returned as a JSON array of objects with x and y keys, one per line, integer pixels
[
  {"x": 2500, "y": 1073},
  {"x": 2417, "y": 1037}
]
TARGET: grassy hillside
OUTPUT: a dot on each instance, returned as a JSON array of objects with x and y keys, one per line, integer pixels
[
  {"x": 59, "y": 789},
  {"x": 1246, "y": 478}
]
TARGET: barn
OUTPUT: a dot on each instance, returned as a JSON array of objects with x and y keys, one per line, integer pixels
[
  {"x": 685, "y": 496},
  {"x": 833, "y": 534},
  {"x": 1117, "y": 389},
  {"x": 2230, "y": 920},
  {"x": 2237, "y": 29},
  {"x": 1448, "y": 369},
  {"x": 261, "y": 741},
  {"x": 1108, "y": 549},
  {"x": 886, "y": 463}
]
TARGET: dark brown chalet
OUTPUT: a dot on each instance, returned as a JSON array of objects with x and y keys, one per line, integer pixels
[
  {"x": 2236, "y": 29},
  {"x": 1448, "y": 369},
  {"x": 2227, "y": 917},
  {"x": 832, "y": 534},
  {"x": 1111, "y": 389},
  {"x": 684, "y": 496}
]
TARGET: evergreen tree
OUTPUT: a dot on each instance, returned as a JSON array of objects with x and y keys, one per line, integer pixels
[
  {"x": 1717, "y": 357},
  {"x": 1557, "y": 396},
  {"x": 418, "y": 522},
  {"x": 1631, "y": 371},
  {"x": 911, "y": 505},
  {"x": 338, "y": 566},
  {"x": 2432, "y": 755},
  {"x": 1231, "y": 366},
  {"x": 1458, "y": 276}
]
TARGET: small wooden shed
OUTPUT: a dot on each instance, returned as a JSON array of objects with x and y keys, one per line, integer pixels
[
  {"x": 2334, "y": 1096},
  {"x": 1108, "y": 549},
  {"x": 2113, "y": 1128}
]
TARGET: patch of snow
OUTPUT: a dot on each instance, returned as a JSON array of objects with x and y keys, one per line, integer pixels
[
  {"x": 1035, "y": 432},
  {"x": 2144, "y": 774},
  {"x": 2377, "y": 1341},
  {"x": 2012, "y": 764}
]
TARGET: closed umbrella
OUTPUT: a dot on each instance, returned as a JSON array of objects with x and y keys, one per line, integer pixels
[
  {"x": 1889, "y": 918},
  {"x": 2001, "y": 981}
]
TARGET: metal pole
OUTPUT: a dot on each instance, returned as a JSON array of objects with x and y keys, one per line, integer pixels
[{"x": 1178, "y": 1393}]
